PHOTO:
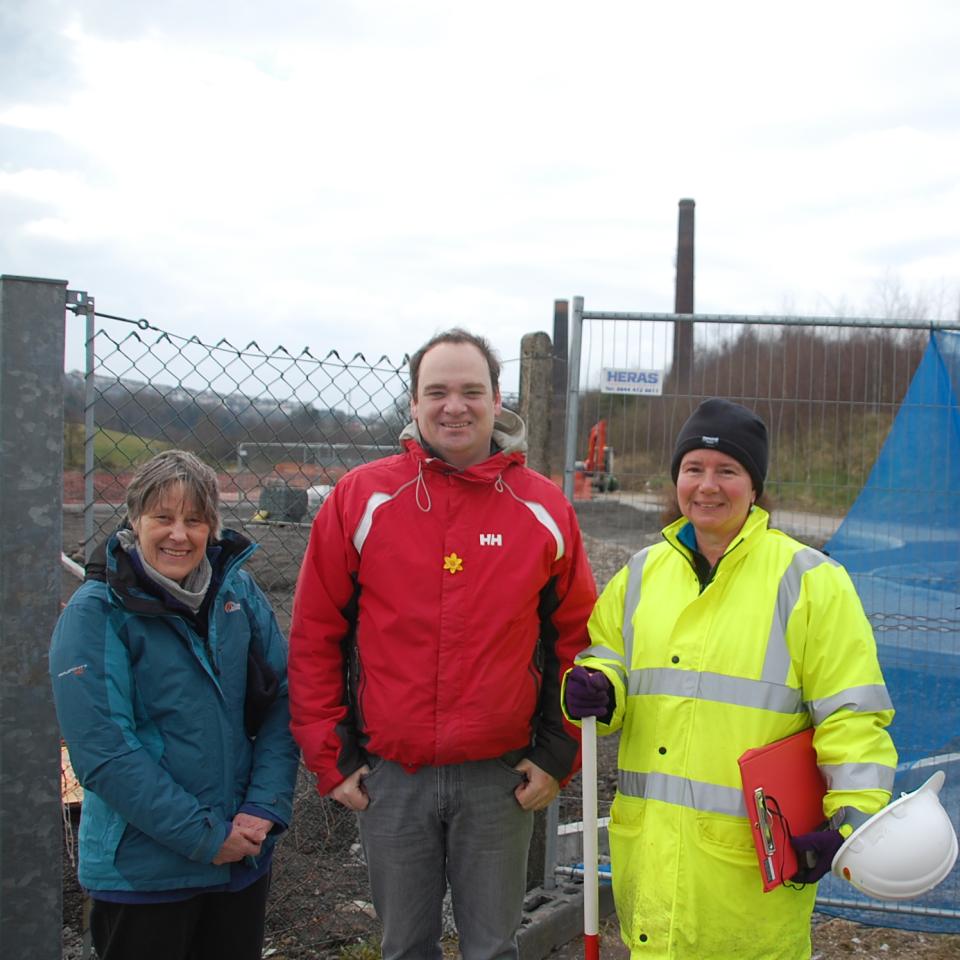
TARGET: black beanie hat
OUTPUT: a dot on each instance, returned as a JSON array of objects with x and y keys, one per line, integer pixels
[{"x": 732, "y": 429}]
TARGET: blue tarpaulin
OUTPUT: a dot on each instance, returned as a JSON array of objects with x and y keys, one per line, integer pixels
[{"x": 900, "y": 542}]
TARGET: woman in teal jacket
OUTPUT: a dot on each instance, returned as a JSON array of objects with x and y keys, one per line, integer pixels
[{"x": 169, "y": 677}]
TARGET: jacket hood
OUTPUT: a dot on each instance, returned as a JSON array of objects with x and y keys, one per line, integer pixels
[{"x": 509, "y": 433}]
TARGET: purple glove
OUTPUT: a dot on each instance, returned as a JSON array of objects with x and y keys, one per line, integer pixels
[
  {"x": 587, "y": 693},
  {"x": 815, "y": 853}
]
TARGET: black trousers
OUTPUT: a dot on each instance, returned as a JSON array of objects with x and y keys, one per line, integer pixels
[{"x": 209, "y": 926}]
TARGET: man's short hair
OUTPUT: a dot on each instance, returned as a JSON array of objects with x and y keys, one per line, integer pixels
[{"x": 457, "y": 335}]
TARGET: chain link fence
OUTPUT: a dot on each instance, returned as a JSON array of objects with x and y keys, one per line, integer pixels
[{"x": 280, "y": 429}]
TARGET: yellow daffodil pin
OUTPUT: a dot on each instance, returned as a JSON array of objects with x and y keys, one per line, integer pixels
[{"x": 453, "y": 563}]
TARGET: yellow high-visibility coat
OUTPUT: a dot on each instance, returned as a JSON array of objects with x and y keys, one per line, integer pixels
[{"x": 776, "y": 642}]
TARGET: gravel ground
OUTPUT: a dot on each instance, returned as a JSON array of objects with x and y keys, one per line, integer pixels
[{"x": 833, "y": 939}]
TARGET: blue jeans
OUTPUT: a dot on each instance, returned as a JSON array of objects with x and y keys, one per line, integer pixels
[{"x": 458, "y": 823}]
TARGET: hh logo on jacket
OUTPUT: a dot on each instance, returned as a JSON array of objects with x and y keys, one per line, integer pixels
[{"x": 491, "y": 539}]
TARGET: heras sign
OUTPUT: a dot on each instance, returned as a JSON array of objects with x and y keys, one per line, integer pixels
[{"x": 648, "y": 383}]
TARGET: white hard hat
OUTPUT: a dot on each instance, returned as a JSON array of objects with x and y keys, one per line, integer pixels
[{"x": 904, "y": 850}]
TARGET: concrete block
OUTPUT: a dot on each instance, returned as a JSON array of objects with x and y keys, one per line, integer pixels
[{"x": 552, "y": 918}]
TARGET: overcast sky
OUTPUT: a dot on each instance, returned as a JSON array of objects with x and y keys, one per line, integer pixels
[{"x": 357, "y": 175}]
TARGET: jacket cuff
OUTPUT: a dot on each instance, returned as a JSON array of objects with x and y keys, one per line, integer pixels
[
  {"x": 264, "y": 814},
  {"x": 326, "y": 782},
  {"x": 214, "y": 839},
  {"x": 561, "y": 768},
  {"x": 848, "y": 819}
]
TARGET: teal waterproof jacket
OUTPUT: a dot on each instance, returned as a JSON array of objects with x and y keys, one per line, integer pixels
[{"x": 153, "y": 715}]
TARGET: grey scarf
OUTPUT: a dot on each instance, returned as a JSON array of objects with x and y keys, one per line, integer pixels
[{"x": 195, "y": 585}]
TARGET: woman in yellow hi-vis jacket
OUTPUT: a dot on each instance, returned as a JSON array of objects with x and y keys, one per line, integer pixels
[{"x": 728, "y": 635}]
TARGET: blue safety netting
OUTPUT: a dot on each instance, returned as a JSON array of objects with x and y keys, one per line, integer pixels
[{"x": 900, "y": 542}]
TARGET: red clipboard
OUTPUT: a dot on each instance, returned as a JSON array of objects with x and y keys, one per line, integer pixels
[{"x": 784, "y": 790}]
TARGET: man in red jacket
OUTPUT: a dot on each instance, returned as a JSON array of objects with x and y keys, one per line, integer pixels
[{"x": 443, "y": 594}]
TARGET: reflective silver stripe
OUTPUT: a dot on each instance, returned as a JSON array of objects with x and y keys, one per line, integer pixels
[
  {"x": 631, "y": 600},
  {"x": 716, "y": 687},
  {"x": 866, "y": 699},
  {"x": 606, "y": 654},
  {"x": 683, "y": 792},
  {"x": 857, "y": 776},
  {"x": 770, "y": 691},
  {"x": 776, "y": 664},
  {"x": 601, "y": 652}
]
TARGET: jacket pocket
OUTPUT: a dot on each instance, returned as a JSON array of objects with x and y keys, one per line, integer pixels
[
  {"x": 374, "y": 764},
  {"x": 101, "y": 830},
  {"x": 509, "y": 762},
  {"x": 727, "y": 838},
  {"x": 627, "y": 859}
]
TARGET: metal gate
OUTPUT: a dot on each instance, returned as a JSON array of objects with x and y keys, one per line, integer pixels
[{"x": 830, "y": 391}]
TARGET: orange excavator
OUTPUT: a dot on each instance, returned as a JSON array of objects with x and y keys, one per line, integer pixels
[{"x": 598, "y": 467}]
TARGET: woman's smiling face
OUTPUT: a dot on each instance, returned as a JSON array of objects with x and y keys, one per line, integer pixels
[
  {"x": 715, "y": 493},
  {"x": 172, "y": 534}
]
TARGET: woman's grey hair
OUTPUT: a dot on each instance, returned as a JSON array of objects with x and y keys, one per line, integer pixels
[{"x": 170, "y": 468}]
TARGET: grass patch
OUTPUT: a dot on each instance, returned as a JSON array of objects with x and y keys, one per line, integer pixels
[
  {"x": 112, "y": 450},
  {"x": 821, "y": 467}
]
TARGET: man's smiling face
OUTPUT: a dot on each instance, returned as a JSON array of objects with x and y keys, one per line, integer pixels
[{"x": 455, "y": 405}]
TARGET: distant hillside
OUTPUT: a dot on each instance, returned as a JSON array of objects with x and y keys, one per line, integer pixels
[{"x": 218, "y": 422}]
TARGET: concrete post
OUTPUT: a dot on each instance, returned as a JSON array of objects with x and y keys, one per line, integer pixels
[
  {"x": 536, "y": 394},
  {"x": 536, "y": 390},
  {"x": 31, "y": 464},
  {"x": 536, "y": 387}
]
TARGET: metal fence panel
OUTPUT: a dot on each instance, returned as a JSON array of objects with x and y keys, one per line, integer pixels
[
  {"x": 279, "y": 429},
  {"x": 829, "y": 390}
]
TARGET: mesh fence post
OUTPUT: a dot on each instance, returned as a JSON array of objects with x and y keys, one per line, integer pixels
[
  {"x": 558, "y": 402},
  {"x": 89, "y": 427},
  {"x": 573, "y": 397},
  {"x": 31, "y": 440}
]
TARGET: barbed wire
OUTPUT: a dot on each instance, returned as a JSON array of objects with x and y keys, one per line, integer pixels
[
  {"x": 252, "y": 348},
  {"x": 143, "y": 324}
]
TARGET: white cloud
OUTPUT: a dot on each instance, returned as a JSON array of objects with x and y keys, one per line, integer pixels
[{"x": 358, "y": 174}]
